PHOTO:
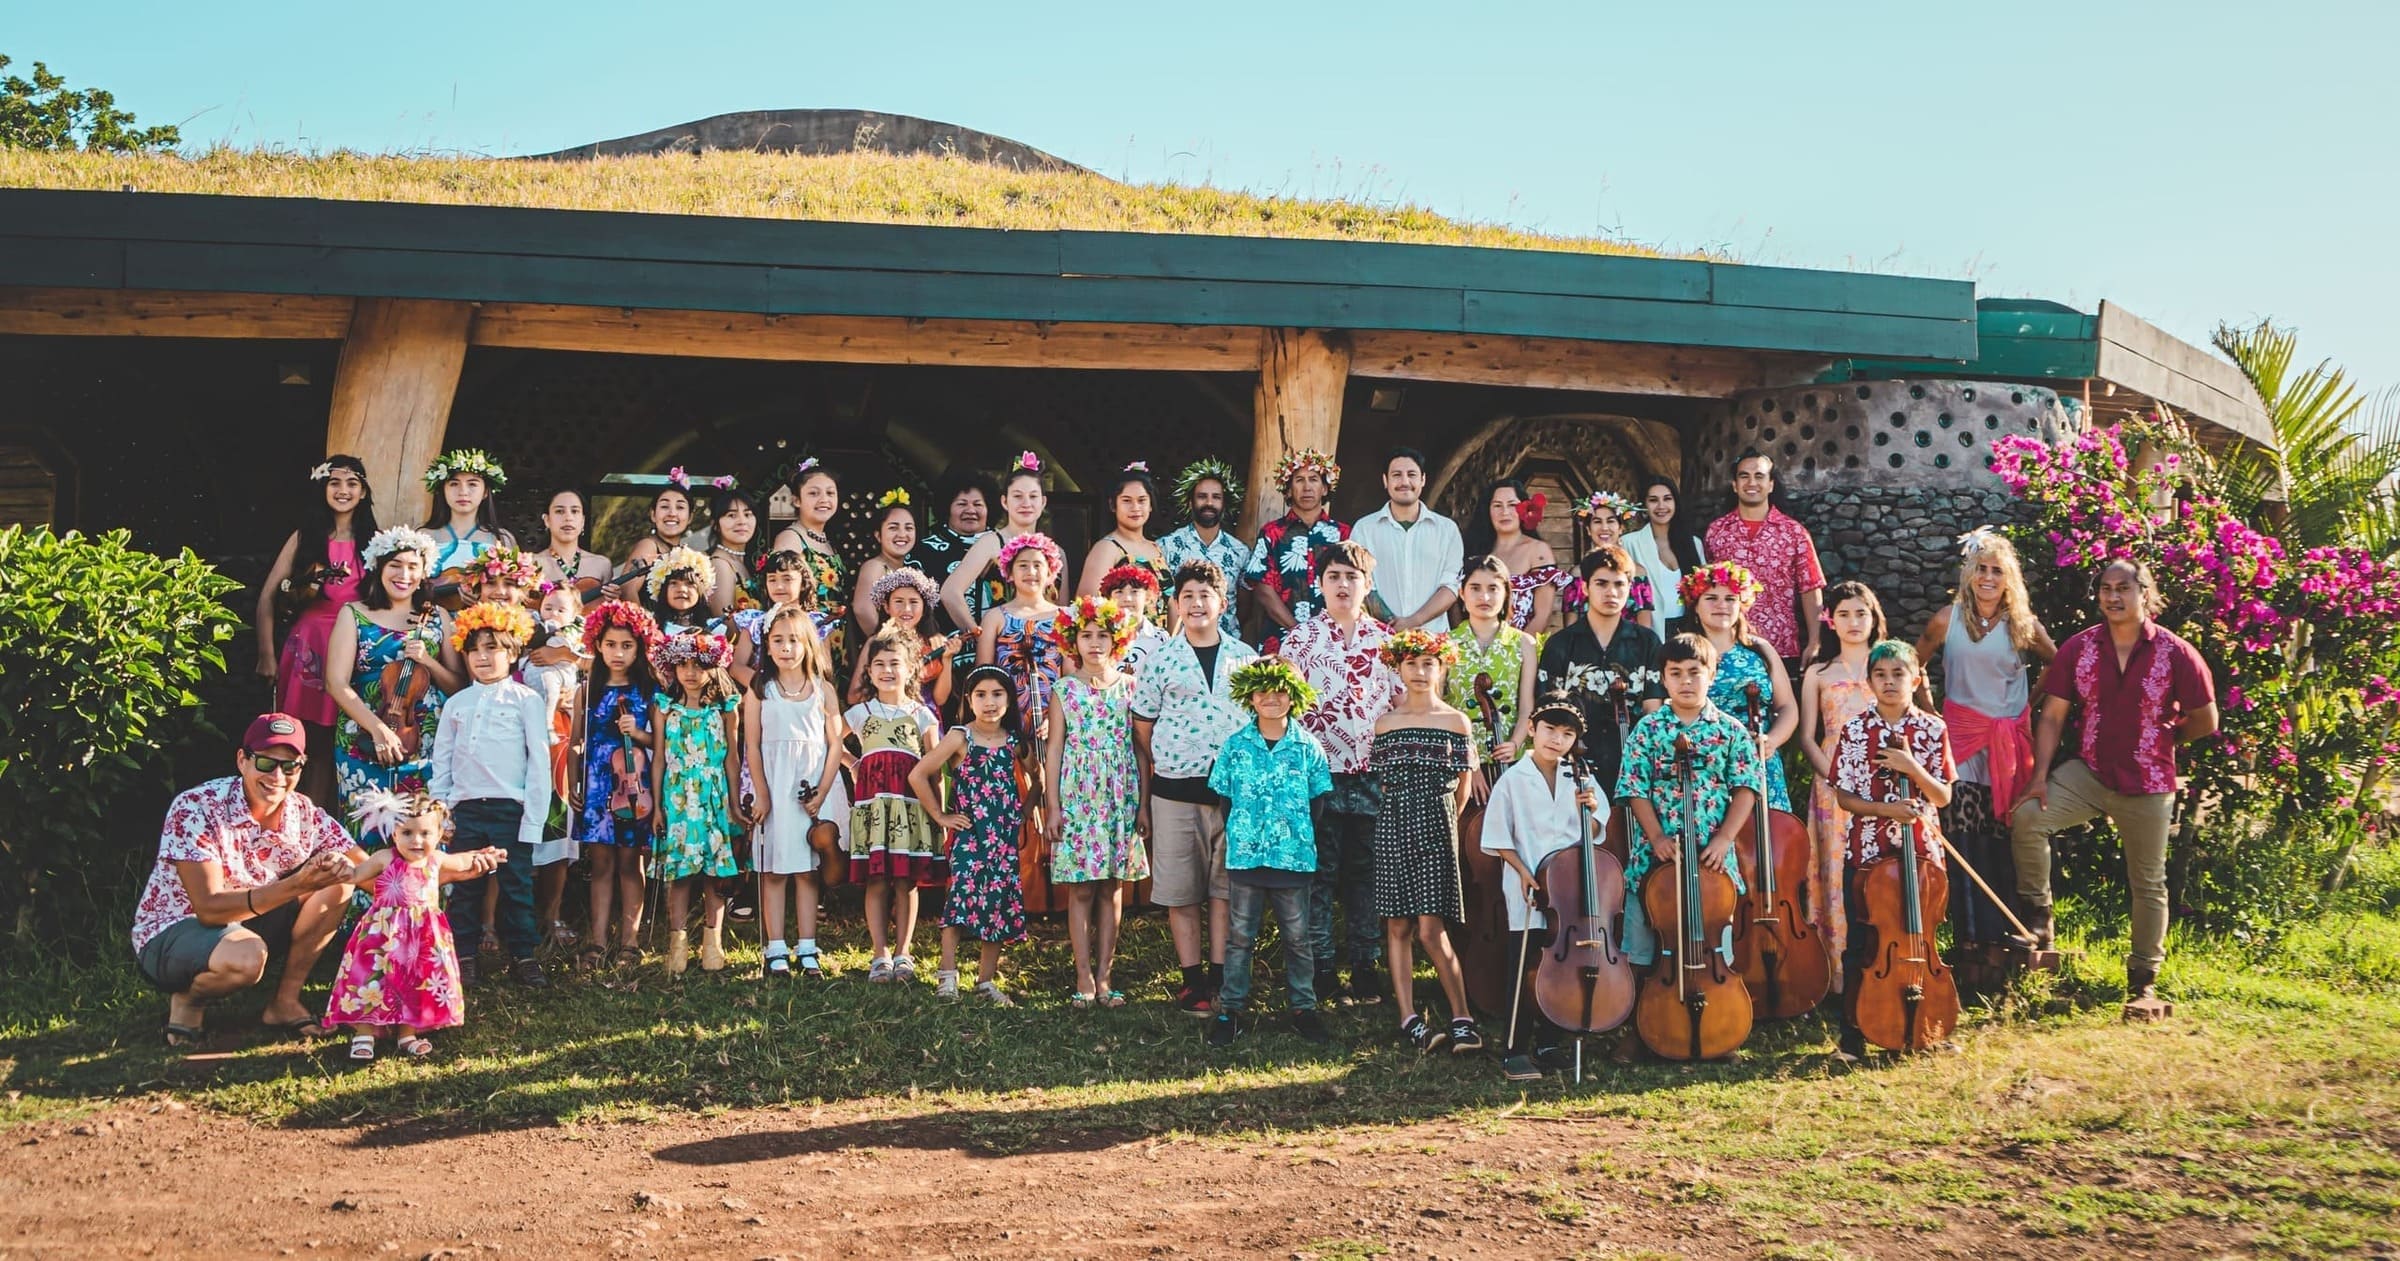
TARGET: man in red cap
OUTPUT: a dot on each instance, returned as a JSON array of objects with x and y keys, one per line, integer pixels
[{"x": 248, "y": 868}]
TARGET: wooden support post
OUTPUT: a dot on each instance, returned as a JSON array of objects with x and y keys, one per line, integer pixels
[
  {"x": 1302, "y": 374},
  {"x": 392, "y": 392}
]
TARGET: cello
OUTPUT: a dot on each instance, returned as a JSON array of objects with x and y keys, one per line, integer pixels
[
  {"x": 1584, "y": 983},
  {"x": 1693, "y": 1006},
  {"x": 1484, "y": 948},
  {"x": 1906, "y": 1000},
  {"x": 1781, "y": 955}
]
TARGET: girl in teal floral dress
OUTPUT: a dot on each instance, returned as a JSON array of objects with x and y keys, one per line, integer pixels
[
  {"x": 1090, "y": 770},
  {"x": 695, "y": 771},
  {"x": 1720, "y": 596}
]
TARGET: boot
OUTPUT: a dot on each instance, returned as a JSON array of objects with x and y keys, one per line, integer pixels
[
  {"x": 679, "y": 951},
  {"x": 712, "y": 948},
  {"x": 2045, "y": 930},
  {"x": 2141, "y": 996}
]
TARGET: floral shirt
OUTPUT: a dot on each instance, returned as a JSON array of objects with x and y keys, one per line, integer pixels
[
  {"x": 1190, "y": 713},
  {"x": 2130, "y": 714},
  {"x": 1147, "y": 640},
  {"x": 1724, "y": 758},
  {"x": 1576, "y": 663},
  {"x": 1354, "y": 687},
  {"x": 213, "y": 821},
  {"x": 1269, "y": 789},
  {"x": 1228, "y": 553},
  {"x": 1779, "y": 553},
  {"x": 1284, "y": 562},
  {"x": 1854, "y": 772}
]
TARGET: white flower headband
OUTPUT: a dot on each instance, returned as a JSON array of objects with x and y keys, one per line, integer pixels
[{"x": 399, "y": 538}]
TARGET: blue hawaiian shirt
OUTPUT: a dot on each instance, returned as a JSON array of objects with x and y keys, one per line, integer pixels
[{"x": 1269, "y": 790}]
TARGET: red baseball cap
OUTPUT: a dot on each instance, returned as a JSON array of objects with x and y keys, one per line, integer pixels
[{"x": 274, "y": 731}]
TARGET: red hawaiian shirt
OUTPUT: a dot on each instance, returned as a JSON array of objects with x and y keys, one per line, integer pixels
[
  {"x": 2130, "y": 714},
  {"x": 1855, "y": 772},
  {"x": 1354, "y": 687},
  {"x": 1284, "y": 561},
  {"x": 1778, "y": 552},
  {"x": 213, "y": 821}
]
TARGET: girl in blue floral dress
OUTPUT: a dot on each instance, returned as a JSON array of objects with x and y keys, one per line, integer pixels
[
  {"x": 987, "y": 898},
  {"x": 699, "y": 729}
]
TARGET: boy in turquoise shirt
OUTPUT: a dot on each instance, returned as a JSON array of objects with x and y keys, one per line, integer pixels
[{"x": 1269, "y": 772}]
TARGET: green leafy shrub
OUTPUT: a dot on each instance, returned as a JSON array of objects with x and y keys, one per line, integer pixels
[{"x": 102, "y": 648}]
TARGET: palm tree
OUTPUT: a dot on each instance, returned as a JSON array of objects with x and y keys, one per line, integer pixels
[{"x": 2335, "y": 459}]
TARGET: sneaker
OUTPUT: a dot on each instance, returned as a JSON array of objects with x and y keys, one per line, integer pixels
[
  {"x": 1421, "y": 1034},
  {"x": 1555, "y": 1059},
  {"x": 1329, "y": 988},
  {"x": 1368, "y": 984},
  {"x": 1311, "y": 1027},
  {"x": 1193, "y": 1000},
  {"x": 1852, "y": 1047},
  {"x": 1465, "y": 1038},
  {"x": 469, "y": 974},
  {"x": 946, "y": 985},
  {"x": 528, "y": 973},
  {"x": 1520, "y": 1068},
  {"x": 1223, "y": 1029}
]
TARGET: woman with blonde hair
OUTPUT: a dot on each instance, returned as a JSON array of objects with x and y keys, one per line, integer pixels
[{"x": 1991, "y": 645}]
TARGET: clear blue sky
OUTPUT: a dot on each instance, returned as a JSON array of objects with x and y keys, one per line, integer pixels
[{"x": 2193, "y": 161}]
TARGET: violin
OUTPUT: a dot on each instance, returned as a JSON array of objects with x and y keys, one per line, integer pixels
[
  {"x": 1906, "y": 1000},
  {"x": 1584, "y": 982},
  {"x": 629, "y": 797},
  {"x": 297, "y": 593},
  {"x": 1781, "y": 955},
  {"x": 1485, "y": 953},
  {"x": 1694, "y": 1005},
  {"x": 405, "y": 684}
]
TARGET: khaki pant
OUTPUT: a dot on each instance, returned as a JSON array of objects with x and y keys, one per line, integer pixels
[{"x": 2077, "y": 797}]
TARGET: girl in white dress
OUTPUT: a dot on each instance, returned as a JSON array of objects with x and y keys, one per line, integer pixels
[{"x": 790, "y": 723}]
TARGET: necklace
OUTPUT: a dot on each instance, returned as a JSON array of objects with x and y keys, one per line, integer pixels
[{"x": 1978, "y": 625}]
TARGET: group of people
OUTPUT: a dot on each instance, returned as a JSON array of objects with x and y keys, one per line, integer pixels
[{"x": 734, "y": 722}]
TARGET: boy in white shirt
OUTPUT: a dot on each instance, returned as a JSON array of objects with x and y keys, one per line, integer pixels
[
  {"x": 491, "y": 767},
  {"x": 1537, "y": 809}
]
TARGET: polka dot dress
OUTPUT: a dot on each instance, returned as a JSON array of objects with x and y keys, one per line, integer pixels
[{"x": 1416, "y": 832}]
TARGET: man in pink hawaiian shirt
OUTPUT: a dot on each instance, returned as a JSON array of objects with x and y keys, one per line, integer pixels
[
  {"x": 247, "y": 868},
  {"x": 1778, "y": 552},
  {"x": 1339, "y": 653},
  {"x": 2142, "y": 691}
]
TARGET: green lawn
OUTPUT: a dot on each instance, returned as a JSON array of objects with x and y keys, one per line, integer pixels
[{"x": 2270, "y": 1104}]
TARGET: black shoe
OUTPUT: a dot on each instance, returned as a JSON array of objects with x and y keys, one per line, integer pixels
[
  {"x": 1853, "y": 1044},
  {"x": 1223, "y": 1029},
  {"x": 528, "y": 973},
  {"x": 1329, "y": 988},
  {"x": 468, "y": 974},
  {"x": 1367, "y": 985},
  {"x": 1311, "y": 1027},
  {"x": 1554, "y": 1059},
  {"x": 1520, "y": 1068},
  {"x": 1421, "y": 1034},
  {"x": 1465, "y": 1038},
  {"x": 1193, "y": 1000}
]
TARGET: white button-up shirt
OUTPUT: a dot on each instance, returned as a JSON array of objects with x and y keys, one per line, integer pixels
[
  {"x": 494, "y": 742},
  {"x": 1191, "y": 714},
  {"x": 1534, "y": 818},
  {"x": 1411, "y": 561}
]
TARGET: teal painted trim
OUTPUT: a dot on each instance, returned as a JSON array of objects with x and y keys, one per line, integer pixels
[
  {"x": 2017, "y": 339},
  {"x": 685, "y": 262}
]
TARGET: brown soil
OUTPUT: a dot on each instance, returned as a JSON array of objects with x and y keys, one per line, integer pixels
[{"x": 162, "y": 1179}]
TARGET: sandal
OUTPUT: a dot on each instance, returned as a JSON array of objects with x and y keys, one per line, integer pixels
[
  {"x": 880, "y": 972},
  {"x": 904, "y": 968},
  {"x": 779, "y": 965},
  {"x": 628, "y": 957},
  {"x": 414, "y": 1047},
  {"x": 362, "y": 1048},
  {"x": 1113, "y": 999},
  {"x": 180, "y": 1037},
  {"x": 591, "y": 959},
  {"x": 990, "y": 992},
  {"x": 1080, "y": 1001},
  {"x": 946, "y": 986},
  {"x": 809, "y": 966}
]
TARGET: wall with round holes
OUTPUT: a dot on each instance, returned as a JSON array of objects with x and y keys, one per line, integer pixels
[{"x": 1875, "y": 433}]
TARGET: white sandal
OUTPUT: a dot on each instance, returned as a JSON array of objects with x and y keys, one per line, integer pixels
[{"x": 362, "y": 1048}]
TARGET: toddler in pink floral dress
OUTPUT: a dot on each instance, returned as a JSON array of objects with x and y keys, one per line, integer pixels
[{"x": 400, "y": 969}]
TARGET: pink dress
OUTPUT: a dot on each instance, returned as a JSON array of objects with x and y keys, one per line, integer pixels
[
  {"x": 1838, "y": 701},
  {"x": 400, "y": 967},
  {"x": 300, "y": 669}
]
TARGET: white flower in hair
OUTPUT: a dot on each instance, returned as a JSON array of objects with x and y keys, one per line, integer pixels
[
  {"x": 378, "y": 812},
  {"x": 400, "y": 538}
]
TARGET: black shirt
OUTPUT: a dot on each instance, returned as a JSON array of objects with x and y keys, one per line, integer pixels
[{"x": 1575, "y": 663}]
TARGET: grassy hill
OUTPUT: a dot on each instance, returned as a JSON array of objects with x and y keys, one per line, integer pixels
[{"x": 855, "y": 188}]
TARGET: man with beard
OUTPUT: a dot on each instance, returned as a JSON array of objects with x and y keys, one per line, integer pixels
[
  {"x": 1208, "y": 492},
  {"x": 1418, "y": 552}
]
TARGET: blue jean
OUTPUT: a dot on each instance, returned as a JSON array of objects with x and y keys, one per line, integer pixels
[
  {"x": 1249, "y": 905},
  {"x": 486, "y": 822}
]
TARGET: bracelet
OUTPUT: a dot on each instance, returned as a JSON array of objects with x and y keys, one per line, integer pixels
[{"x": 249, "y": 899}]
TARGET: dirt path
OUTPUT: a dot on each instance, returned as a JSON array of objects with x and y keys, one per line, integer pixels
[{"x": 161, "y": 1179}]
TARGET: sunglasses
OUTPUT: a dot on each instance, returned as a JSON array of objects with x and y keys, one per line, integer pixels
[{"x": 265, "y": 765}]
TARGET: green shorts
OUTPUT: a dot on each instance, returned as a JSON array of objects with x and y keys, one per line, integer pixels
[{"x": 177, "y": 956}]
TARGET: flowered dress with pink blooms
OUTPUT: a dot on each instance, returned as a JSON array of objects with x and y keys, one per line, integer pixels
[
  {"x": 987, "y": 892},
  {"x": 400, "y": 967},
  {"x": 1097, "y": 772}
]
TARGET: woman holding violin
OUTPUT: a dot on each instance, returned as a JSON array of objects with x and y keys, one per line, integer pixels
[
  {"x": 388, "y": 667},
  {"x": 562, "y": 558},
  {"x": 315, "y": 574}
]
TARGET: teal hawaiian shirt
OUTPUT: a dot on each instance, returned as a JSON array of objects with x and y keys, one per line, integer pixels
[{"x": 1269, "y": 790}]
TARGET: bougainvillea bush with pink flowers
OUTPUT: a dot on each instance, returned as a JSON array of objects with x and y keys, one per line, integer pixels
[{"x": 2305, "y": 648}]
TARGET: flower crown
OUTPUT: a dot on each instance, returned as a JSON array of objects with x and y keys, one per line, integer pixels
[
  {"x": 622, "y": 615},
  {"x": 399, "y": 538},
  {"x": 380, "y": 812},
  {"x": 1207, "y": 468},
  {"x": 1138, "y": 466},
  {"x": 897, "y": 496},
  {"x": 1416, "y": 641},
  {"x": 1617, "y": 505},
  {"x": 1027, "y": 461},
  {"x": 880, "y": 595},
  {"x": 1124, "y": 576},
  {"x": 681, "y": 562},
  {"x": 506, "y": 564},
  {"x": 466, "y": 460},
  {"x": 705, "y": 648},
  {"x": 1038, "y": 541},
  {"x": 508, "y": 619},
  {"x": 1297, "y": 462},
  {"x": 1723, "y": 573},
  {"x": 1092, "y": 610},
  {"x": 1270, "y": 674},
  {"x": 682, "y": 481}
]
